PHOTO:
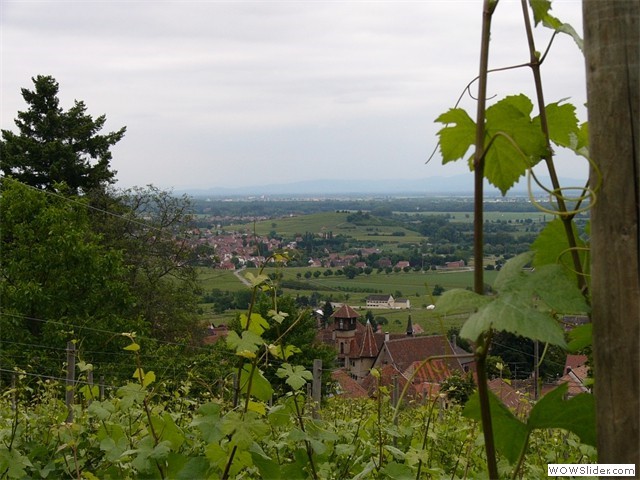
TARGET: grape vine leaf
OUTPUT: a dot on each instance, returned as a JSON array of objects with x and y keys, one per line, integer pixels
[
  {"x": 576, "y": 414},
  {"x": 551, "y": 246},
  {"x": 266, "y": 466},
  {"x": 260, "y": 386},
  {"x": 513, "y": 141},
  {"x": 541, "y": 9},
  {"x": 510, "y": 313},
  {"x": 398, "y": 471},
  {"x": 517, "y": 142},
  {"x": 510, "y": 434},
  {"x": 460, "y": 300},
  {"x": 296, "y": 376},
  {"x": 247, "y": 344},
  {"x": 580, "y": 337},
  {"x": 562, "y": 123},
  {"x": 455, "y": 140},
  {"x": 526, "y": 302},
  {"x": 258, "y": 324}
]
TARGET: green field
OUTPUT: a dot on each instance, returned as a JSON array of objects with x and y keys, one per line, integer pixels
[
  {"x": 416, "y": 286},
  {"x": 334, "y": 222}
]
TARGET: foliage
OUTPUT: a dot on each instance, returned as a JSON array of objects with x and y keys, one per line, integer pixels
[
  {"x": 149, "y": 225},
  {"x": 59, "y": 282},
  {"x": 458, "y": 389},
  {"x": 56, "y": 147}
]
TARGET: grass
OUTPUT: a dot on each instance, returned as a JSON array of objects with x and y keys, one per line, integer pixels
[
  {"x": 416, "y": 286},
  {"x": 334, "y": 222}
]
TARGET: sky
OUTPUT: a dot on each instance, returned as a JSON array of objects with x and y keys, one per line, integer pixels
[{"x": 242, "y": 93}]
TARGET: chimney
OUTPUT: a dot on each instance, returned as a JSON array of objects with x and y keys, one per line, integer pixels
[
  {"x": 409, "y": 327},
  {"x": 386, "y": 336}
]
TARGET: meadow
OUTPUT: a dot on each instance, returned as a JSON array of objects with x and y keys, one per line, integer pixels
[{"x": 416, "y": 286}]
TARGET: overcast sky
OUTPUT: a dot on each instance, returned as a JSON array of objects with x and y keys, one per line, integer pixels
[{"x": 243, "y": 93}]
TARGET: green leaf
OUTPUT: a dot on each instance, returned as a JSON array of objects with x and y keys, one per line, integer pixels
[
  {"x": 555, "y": 24},
  {"x": 249, "y": 342},
  {"x": 517, "y": 143},
  {"x": 208, "y": 422},
  {"x": 511, "y": 273},
  {"x": 510, "y": 434},
  {"x": 133, "y": 347},
  {"x": 576, "y": 414},
  {"x": 260, "y": 386},
  {"x": 243, "y": 428},
  {"x": 580, "y": 337},
  {"x": 460, "y": 300},
  {"x": 257, "y": 324},
  {"x": 540, "y": 9},
  {"x": 296, "y": 376},
  {"x": 552, "y": 247},
  {"x": 557, "y": 291},
  {"x": 193, "y": 467},
  {"x": 511, "y": 313},
  {"x": 398, "y": 471},
  {"x": 256, "y": 280},
  {"x": 455, "y": 140},
  {"x": 267, "y": 467},
  {"x": 562, "y": 123},
  {"x": 148, "y": 379},
  {"x": 580, "y": 142}
]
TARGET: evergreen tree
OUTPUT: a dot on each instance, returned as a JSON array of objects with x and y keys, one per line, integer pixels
[{"x": 54, "y": 146}]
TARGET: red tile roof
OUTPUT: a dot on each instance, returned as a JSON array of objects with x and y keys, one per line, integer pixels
[
  {"x": 347, "y": 386},
  {"x": 404, "y": 351},
  {"x": 345, "y": 311},
  {"x": 369, "y": 346}
]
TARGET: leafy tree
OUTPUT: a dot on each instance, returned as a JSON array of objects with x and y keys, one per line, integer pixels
[
  {"x": 497, "y": 368},
  {"x": 148, "y": 225},
  {"x": 59, "y": 283},
  {"x": 54, "y": 146},
  {"x": 458, "y": 389},
  {"x": 437, "y": 290},
  {"x": 327, "y": 310},
  {"x": 350, "y": 271}
]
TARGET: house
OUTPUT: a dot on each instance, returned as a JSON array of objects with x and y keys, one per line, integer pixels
[
  {"x": 380, "y": 301},
  {"x": 403, "y": 352},
  {"x": 576, "y": 372},
  {"x": 414, "y": 360},
  {"x": 401, "y": 357},
  {"x": 402, "y": 264},
  {"x": 402, "y": 303},
  {"x": 510, "y": 397},
  {"x": 346, "y": 386},
  {"x": 456, "y": 264},
  {"x": 214, "y": 334}
]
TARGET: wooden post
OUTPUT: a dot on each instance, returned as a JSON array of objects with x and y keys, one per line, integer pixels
[
  {"x": 395, "y": 394},
  {"x": 13, "y": 392},
  {"x": 71, "y": 379},
  {"x": 612, "y": 53},
  {"x": 316, "y": 388},
  {"x": 101, "y": 387},
  {"x": 90, "y": 385}
]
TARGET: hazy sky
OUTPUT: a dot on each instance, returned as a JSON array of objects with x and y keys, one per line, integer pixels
[{"x": 239, "y": 93}]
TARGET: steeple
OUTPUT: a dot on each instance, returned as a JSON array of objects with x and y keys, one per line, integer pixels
[
  {"x": 409, "y": 327},
  {"x": 369, "y": 346}
]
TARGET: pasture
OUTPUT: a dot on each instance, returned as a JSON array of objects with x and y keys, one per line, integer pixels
[
  {"x": 329, "y": 222},
  {"x": 415, "y": 286}
]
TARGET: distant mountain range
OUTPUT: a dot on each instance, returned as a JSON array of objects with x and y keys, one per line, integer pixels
[{"x": 454, "y": 185}]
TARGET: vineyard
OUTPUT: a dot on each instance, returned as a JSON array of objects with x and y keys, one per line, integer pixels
[
  {"x": 110, "y": 275},
  {"x": 142, "y": 430}
]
